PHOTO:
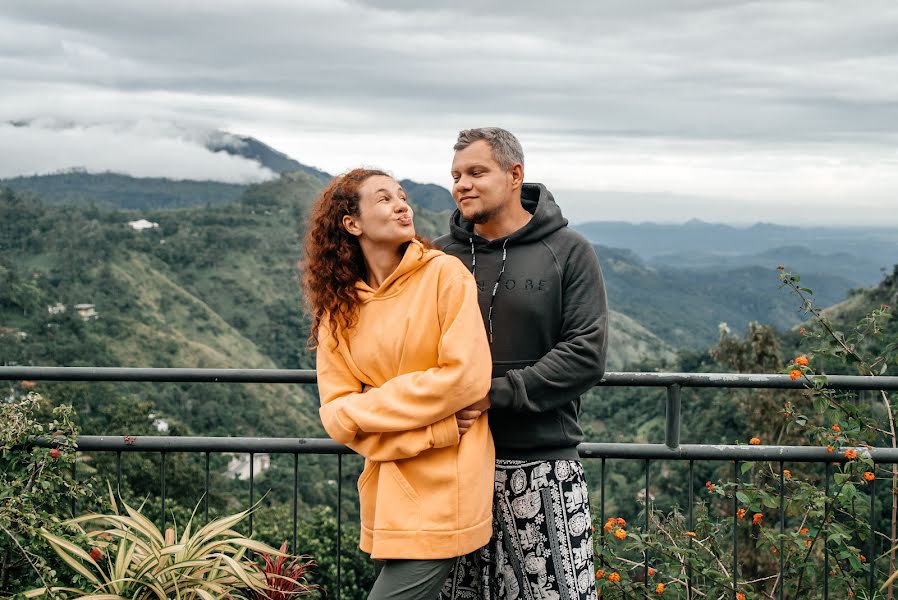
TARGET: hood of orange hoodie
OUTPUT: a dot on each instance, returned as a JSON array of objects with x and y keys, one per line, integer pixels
[{"x": 414, "y": 258}]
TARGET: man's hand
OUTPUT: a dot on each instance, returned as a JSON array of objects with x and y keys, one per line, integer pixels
[{"x": 466, "y": 417}]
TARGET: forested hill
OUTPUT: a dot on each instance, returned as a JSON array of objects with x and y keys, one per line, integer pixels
[
  {"x": 860, "y": 255},
  {"x": 117, "y": 191},
  {"x": 684, "y": 307},
  {"x": 207, "y": 287}
]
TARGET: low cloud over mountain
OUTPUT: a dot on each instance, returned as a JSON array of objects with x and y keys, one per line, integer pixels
[{"x": 137, "y": 148}]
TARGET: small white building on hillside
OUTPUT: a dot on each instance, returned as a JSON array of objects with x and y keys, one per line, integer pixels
[
  {"x": 87, "y": 312},
  {"x": 238, "y": 468},
  {"x": 141, "y": 224}
]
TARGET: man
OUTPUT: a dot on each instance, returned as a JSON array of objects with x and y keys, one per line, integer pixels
[{"x": 544, "y": 307}]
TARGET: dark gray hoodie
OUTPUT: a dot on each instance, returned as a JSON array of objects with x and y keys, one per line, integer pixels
[{"x": 549, "y": 326}]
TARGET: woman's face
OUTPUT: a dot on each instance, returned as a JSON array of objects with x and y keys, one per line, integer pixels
[{"x": 384, "y": 218}]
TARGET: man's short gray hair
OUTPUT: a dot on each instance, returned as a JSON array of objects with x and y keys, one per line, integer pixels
[{"x": 506, "y": 148}]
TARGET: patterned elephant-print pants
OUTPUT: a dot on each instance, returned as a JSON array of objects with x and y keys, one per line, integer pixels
[{"x": 541, "y": 547}]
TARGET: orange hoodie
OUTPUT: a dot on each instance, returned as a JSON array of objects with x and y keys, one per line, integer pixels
[{"x": 420, "y": 344}]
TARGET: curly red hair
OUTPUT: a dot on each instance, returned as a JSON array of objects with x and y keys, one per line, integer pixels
[{"x": 333, "y": 260}]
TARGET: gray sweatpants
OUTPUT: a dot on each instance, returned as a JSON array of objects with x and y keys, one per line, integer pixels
[{"x": 411, "y": 579}]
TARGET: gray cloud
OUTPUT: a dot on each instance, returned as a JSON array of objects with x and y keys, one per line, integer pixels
[
  {"x": 709, "y": 88},
  {"x": 779, "y": 70},
  {"x": 140, "y": 149}
]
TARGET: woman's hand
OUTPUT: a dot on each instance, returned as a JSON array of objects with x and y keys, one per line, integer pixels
[{"x": 466, "y": 417}]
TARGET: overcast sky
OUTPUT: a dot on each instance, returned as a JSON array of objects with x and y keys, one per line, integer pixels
[{"x": 658, "y": 110}]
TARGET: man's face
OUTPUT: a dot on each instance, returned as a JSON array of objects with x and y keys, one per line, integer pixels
[{"x": 482, "y": 189}]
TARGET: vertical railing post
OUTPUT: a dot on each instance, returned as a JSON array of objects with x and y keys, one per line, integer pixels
[
  {"x": 118, "y": 477},
  {"x": 73, "y": 506},
  {"x": 690, "y": 526},
  {"x": 871, "y": 553},
  {"x": 782, "y": 550},
  {"x": 162, "y": 490},
  {"x": 645, "y": 556},
  {"x": 602, "y": 509},
  {"x": 206, "y": 492},
  {"x": 735, "y": 528},
  {"x": 339, "y": 517},
  {"x": 295, "y": 498},
  {"x": 252, "y": 460},
  {"x": 672, "y": 429},
  {"x": 826, "y": 533}
]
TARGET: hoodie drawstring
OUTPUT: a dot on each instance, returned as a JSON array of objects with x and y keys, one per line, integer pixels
[{"x": 489, "y": 315}]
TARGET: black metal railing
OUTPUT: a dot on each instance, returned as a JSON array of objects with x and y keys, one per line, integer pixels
[{"x": 671, "y": 449}]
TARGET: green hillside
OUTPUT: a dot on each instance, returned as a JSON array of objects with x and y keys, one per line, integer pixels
[
  {"x": 152, "y": 309},
  {"x": 116, "y": 191},
  {"x": 215, "y": 286},
  {"x": 685, "y": 306}
]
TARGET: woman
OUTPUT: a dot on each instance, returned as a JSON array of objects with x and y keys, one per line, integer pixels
[{"x": 401, "y": 348}]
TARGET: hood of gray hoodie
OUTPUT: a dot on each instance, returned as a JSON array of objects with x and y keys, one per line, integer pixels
[{"x": 537, "y": 200}]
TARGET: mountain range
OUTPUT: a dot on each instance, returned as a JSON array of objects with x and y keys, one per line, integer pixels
[
  {"x": 77, "y": 186},
  {"x": 213, "y": 281},
  {"x": 859, "y": 255}
]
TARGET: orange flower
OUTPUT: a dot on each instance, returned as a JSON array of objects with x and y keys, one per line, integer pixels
[
  {"x": 802, "y": 360},
  {"x": 803, "y": 531},
  {"x": 620, "y": 522},
  {"x": 740, "y": 513},
  {"x": 652, "y": 572},
  {"x": 794, "y": 374},
  {"x": 754, "y": 441},
  {"x": 807, "y": 543},
  {"x": 740, "y": 596},
  {"x": 600, "y": 574},
  {"x": 711, "y": 487},
  {"x": 850, "y": 454},
  {"x": 620, "y": 534},
  {"x": 757, "y": 518},
  {"x": 802, "y": 330},
  {"x": 863, "y": 558},
  {"x": 690, "y": 533},
  {"x": 787, "y": 473},
  {"x": 608, "y": 526},
  {"x": 868, "y": 476},
  {"x": 836, "y": 428},
  {"x": 773, "y": 550},
  {"x": 659, "y": 589},
  {"x": 614, "y": 577},
  {"x": 829, "y": 448}
]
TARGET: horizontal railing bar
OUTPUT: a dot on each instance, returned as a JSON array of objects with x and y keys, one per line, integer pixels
[
  {"x": 743, "y": 453},
  {"x": 170, "y": 443},
  {"x": 307, "y": 376},
  {"x": 158, "y": 375},
  {"x": 587, "y": 450},
  {"x": 746, "y": 380}
]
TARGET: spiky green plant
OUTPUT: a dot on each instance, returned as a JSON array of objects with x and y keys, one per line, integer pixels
[{"x": 132, "y": 559}]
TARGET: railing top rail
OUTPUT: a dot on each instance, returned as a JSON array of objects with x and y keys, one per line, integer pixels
[
  {"x": 616, "y": 379},
  {"x": 107, "y": 443}
]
